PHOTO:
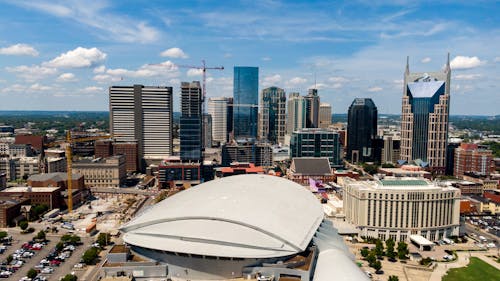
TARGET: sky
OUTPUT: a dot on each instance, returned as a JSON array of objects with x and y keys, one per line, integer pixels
[{"x": 63, "y": 55}]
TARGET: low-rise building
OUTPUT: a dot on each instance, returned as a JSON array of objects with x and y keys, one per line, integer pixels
[
  {"x": 19, "y": 168},
  {"x": 49, "y": 196},
  {"x": 399, "y": 207},
  {"x": 173, "y": 172},
  {"x": 10, "y": 208},
  {"x": 304, "y": 168},
  {"x": 237, "y": 168},
  {"x": 56, "y": 164},
  {"x": 314, "y": 142},
  {"x": 469, "y": 188},
  {"x": 102, "y": 172},
  {"x": 406, "y": 171},
  {"x": 57, "y": 180}
]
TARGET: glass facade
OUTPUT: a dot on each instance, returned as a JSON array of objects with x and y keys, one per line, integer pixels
[
  {"x": 316, "y": 143},
  {"x": 361, "y": 130},
  {"x": 191, "y": 125},
  {"x": 246, "y": 100}
]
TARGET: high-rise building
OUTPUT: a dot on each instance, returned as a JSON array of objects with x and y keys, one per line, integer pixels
[
  {"x": 143, "y": 115},
  {"x": 258, "y": 153},
  {"x": 246, "y": 102},
  {"x": 218, "y": 108},
  {"x": 424, "y": 118},
  {"x": 361, "y": 130},
  {"x": 296, "y": 113},
  {"x": 207, "y": 130},
  {"x": 391, "y": 150},
  {"x": 273, "y": 115},
  {"x": 325, "y": 115},
  {"x": 191, "y": 127},
  {"x": 470, "y": 158},
  {"x": 312, "y": 142},
  {"x": 312, "y": 108}
]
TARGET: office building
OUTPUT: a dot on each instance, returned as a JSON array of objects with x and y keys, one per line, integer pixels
[
  {"x": 399, "y": 207},
  {"x": 106, "y": 172},
  {"x": 207, "y": 131},
  {"x": 361, "y": 130},
  {"x": 258, "y": 233},
  {"x": 172, "y": 172},
  {"x": 260, "y": 154},
  {"x": 130, "y": 151},
  {"x": 315, "y": 142},
  {"x": 391, "y": 150},
  {"x": 245, "y": 102},
  {"x": 325, "y": 115},
  {"x": 296, "y": 113},
  {"x": 143, "y": 115},
  {"x": 19, "y": 168},
  {"x": 471, "y": 159},
  {"x": 219, "y": 108},
  {"x": 191, "y": 122},
  {"x": 425, "y": 116},
  {"x": 450, "y": 157},
  {"x": 273, "y": 115},
  {"x": 312, "y": 108}
]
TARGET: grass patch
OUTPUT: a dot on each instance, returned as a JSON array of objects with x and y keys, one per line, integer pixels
[{"x": 476, "y": 270}]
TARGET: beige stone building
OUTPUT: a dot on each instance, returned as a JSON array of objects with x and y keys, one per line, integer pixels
[{"x": 102, "y": 172}]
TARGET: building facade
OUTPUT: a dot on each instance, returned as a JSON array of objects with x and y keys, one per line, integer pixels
[
  {"x": 399, "y": 207},
  {"x": 246, "y": 102},
  {"x": 325, "y": 115},
  {"x": 391, "y": 150},
  {"x": 207, "y": 131},
  {"x": 425, "y": 117},
  {"x": 19, "y": 168},
  {"x": 191, "y": 121},
  {"x": 259, "y": 154},
  {"x": 312, "y": 108},
  {"x": 218, "y": 108},
  {"x": 311, "y": 142},
  {"x": 107, "y": 172},
  {"x": 273, "y": 115},
  {"x": 296, "y": 113},
  {"x": 143, "y": 115},
  {"x": 470, "y": 158},
  {"x": 361, "y": 130}
]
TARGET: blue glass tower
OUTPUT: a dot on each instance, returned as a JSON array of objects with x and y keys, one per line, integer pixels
[{"x": 246, "y": 102}]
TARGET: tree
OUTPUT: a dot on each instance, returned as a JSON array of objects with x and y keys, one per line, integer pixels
[
  {"x": 365, "y": 252},
  {"x": 402, "y": 250},
  {"x": 90, "y": 256},
  {"x": 69, "y": 277},
  {"x": 72, "y": 239},
  {"x": 31, "y": 273},
  {"x": 3, "y": 235},
  {"x": 389, "y": 252},
  {"x": 23, "y": 225},
  {"x": 371, "y": 258},
  {"x": 379, "y": 248},
  {"x": 393, "y": 278},
  {"x": 40, "y": 235},
  {"x": 377, "y": 265},
  {"x": 59, "y": 246},
  {"x": 103, "y": 239},
  {"x": 9, "y": 258}
]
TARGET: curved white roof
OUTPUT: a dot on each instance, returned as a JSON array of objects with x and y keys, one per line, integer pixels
[{"x": 245, "y": 216}]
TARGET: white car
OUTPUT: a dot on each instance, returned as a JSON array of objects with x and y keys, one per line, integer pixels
[
  {"x": 369, "y": 274},
  {"x": 47, "y": 270}
]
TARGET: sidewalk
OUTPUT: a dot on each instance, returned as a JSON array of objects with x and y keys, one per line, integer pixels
[{"x": 462, "y": 261}]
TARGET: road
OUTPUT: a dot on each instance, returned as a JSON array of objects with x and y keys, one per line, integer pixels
[
  {"x": 67, "y": 266},
  {"x": 474, "y": 229}
]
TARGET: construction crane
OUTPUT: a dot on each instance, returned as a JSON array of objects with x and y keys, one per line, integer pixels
[
  {"x": 203, "y": 68},
  {"x": 69, "y": 159}
]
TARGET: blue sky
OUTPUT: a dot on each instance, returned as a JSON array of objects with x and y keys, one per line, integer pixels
[{"x": 63, "y": 55}]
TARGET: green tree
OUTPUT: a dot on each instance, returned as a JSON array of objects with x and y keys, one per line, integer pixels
[
  {"x": 23, "y": 225},
  {"x": 379, "y": 248},
  {"x": 59, "y": 246},
  {"x": 69, "y": 277},
  {"x": 103, "y": 239},
  {"x": 38, "y": 210},
  {"x": 90, "y": 256},
  {"x": 9, "y": 258},
  {"x": 377, "y": 265},
  {"x": 389, "y": 252},
  {"x": 31, "y": 273},
  {"x": 371, "y": 258},
  {"x": 3, "y": 235},
  {"x": 365, "y": 252},
  {"x": 40, "y": 235},
  {"x": 72, "y": 239},
  {"x": 402, "y": 250},
  {"x": 393, "y": 278}
]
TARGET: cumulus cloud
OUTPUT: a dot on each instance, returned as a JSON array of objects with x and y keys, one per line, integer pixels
[
  {"x": 426, "y": 60},
  {"x": 32, "y": 73},
  {"x": 266, "y": 58},
  {"x": 176, "y": 53},
  {"x": 100, "y": 69},
  {"x": 463, "y": 62},
  {"x": 194, "y": 72},
  {"x": 66, "y": 77},
  {"x": 38, "y": 87},
  {"x": 92, "y": 90},
  {"x": 297, "y": 81},
  {"x": 375, "y": 89},
  {"x": 106, "y": 78},
  {"x": 271, "y": 80},
  {"x": 19, "y": 50},
  {"x": 78, "y": 58},
  {"x": 165, "y": 69},
  {"x": 338, "y": 79},
  {"x": 467, "y": 76}
]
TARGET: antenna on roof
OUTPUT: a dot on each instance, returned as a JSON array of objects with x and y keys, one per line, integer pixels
[
  {"x": 448, "y": 63},
  {"x": 407, "y": 64}
]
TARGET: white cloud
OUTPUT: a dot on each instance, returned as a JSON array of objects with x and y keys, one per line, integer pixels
[
  {"x": 100, "y": 69},
  {"x": 194, "y": 72},
  {"x": 78, "y": 58},
  {"x": 375, "y": 89},
  {"x": 38, "y": 87},
  {"x": 318, "y": 86},
  {"x": 165, "y": 69},
  {"x": 338, "y": 79},
  {"x": 92, "y": 90},
  {"x": 66, "y": 77},
  {"x": 426, "y": 60},
  {"x": 177, "y": 53},
  {"x": 32, "y": 73},
  {"x": 19, "y": 50},
  {"x": 463, "y": 62},
  {"x": 228, "y": 55},
  {"x": 337, "y": 86},
  {"x": 297, "y": 81},
  {"x": 467, "y": 76},
  {"x": 14, "y": 88},
  {"x": 105, "y": 78},
  {"x": 271, "y": 80},
  {"x": 266, "y": 58}
]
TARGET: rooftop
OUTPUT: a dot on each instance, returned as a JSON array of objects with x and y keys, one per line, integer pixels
[
  {"x": 310, "y": 166},
  {"x": 30, "y": 189},
  {"x": 53, "y": 176}
]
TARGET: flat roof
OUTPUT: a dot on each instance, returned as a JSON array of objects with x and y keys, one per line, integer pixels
[
  {"x": 420, "y": 240},
  {"x": 30, "y": 189}
]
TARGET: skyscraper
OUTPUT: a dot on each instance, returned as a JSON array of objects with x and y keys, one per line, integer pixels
[
  {"x": 207, "y": 130},
  {"x": 143, "y": 115},
  {"x": 296, "y": 113},
  {"x": 273, "y": 115},
  {"x": 191, "y": 127},
  {"x": 312, "y": 108},
  {"x": 325, "y": 115},
  {"x": 218, "y": 109},
  {"x": 424, "y": 118},
  {"x": 314, "y": 142},
  {"x": 361, "y": 130},
  {"x": 246, "y": 101}
]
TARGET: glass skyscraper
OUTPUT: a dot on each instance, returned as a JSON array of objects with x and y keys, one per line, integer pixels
[
  {"x": 246, "y": 102},
  {"x": 361, "y": 130},
  {"x": 191, "y": 127}
]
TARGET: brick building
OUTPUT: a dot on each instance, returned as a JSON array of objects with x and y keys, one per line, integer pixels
[
  {"x": 10, "y": 208},
  {"x": 304, "y": 168},
  {"x": 36, "y": 142},
  {"x": 50, "y": 196},
  {"x": 56, "y": 180},
  {"x": 470, "y": 158}
]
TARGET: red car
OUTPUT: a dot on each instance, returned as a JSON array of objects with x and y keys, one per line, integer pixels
[{"x": 55, "y": 262}]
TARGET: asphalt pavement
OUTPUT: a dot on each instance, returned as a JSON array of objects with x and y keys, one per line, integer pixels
[{"x": 37, "y": 257}]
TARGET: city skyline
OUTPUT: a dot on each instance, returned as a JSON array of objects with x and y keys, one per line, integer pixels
[{"x": 349, "y": 50}]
